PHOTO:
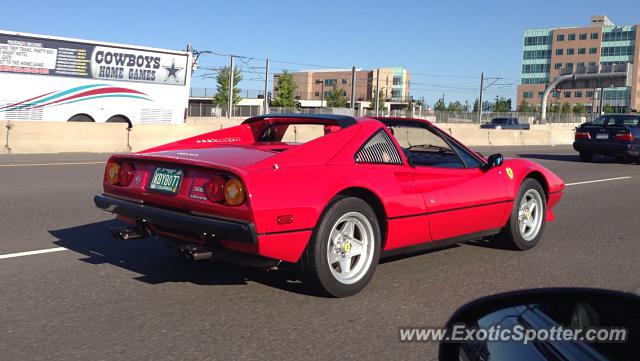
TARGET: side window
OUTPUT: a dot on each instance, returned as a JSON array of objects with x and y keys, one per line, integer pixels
[
  {"x": 379, "y": 149},
  {"x": 469, "y": 160},
  {"x": 425, "y": 148}
]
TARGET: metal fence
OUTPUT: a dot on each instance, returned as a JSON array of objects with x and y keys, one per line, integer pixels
[
  {"x": 209, "y": 110},
  {"x": 531, "y": 118}
]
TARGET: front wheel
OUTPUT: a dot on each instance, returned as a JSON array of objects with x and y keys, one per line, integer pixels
[
  {"x": 343, "y": 252},
  {"x": 528, "y": 217}
]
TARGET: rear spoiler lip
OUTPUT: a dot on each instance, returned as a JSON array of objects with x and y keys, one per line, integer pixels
[{"x": 181, "y": 161}]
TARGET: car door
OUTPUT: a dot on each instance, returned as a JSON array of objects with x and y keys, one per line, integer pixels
[{"x": 460, "y": 197}]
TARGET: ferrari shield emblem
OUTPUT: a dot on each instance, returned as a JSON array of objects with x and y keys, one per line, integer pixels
[
  {"x": 509, "y": 173},
  {"x": 347, "y": 247}
]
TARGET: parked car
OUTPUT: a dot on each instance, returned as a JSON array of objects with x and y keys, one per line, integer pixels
[
  {"x": 616, "y": 135},
  {"x": 505, "y": 123},
  {"x": 329, "y": 193}
]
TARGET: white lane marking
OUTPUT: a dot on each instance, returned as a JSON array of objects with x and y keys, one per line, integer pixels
[
  {"x": 47, "y": 164},
  {"x": 31, "y": 253},
  {"x": 597, "y": 181}
]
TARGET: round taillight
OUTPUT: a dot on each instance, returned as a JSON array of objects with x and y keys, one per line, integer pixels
[
  {"x": 125, "y": 174},
  {"x": 214, "y": 190},
  {"x": 113, "y": 173},
  {"x": 234, "y": 192}
]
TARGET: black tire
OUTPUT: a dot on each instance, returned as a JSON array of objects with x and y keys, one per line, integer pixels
[
  {"x": 511, "y": 236},
  {"x": 585, "y": 157},
  {"x": 81, "y": 118},
  {"x": 119, "y": 119},
  {"x": 314, "y": 263}
]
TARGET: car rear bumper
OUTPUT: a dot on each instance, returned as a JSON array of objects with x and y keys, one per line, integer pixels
[
  {"x": 235, "y": 231},
  {"x": 607, "y": 148}
]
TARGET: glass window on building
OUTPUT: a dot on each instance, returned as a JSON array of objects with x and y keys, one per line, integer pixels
[
  {"x": 527, "y": 95},
  {"x": 330, "y": 82},
  {"x": 582, "y": 51},
  {"x": 619, "y": 35},
  {"x": 560, "y": 37},
  {"x": 570, "y": 51},
  {"x": 326, "y": 94},
  {"x": 397, "y": 80},
  {"x": 590, "y": 94},
  {"x": 593, "y": 50},
  {"x": 580, "y": 64},
  {"x": 344, "y": 81},
  {"x": 559, "y": 51},
  {"x": 617, "y": 50},
  {"x": 557, "y": 65},
  {"x": 556, "y": 94},
  {"x": 396, "y": 93},
  {"x": 578, "y": 94},
  {"x": 583, "y": 36},
  {"x": 594, "y": 36},
  {"x": 567, "y": 94},
  {"x": 317, "y": 94},
  {"x": 540, "y": 94},
  {"x": 571, "y": 37},
  {"x": 569, "y": 65},
  {"x": 592, "y": 63}
]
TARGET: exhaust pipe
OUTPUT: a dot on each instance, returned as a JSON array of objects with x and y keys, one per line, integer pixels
[
  {"x": 196, "y": 253},
  {"x": 124, "y": 234}
]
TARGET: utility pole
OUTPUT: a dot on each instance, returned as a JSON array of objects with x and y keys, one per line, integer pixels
[
  {"x": 377, "y": 93},
  {"x": 230, "y": 102},
  {"x": 265, "y": 108},
  {"x": 353, "y": 88},
  {"x": 480, "y": 100},
  {"x": 601, "y": 96}
]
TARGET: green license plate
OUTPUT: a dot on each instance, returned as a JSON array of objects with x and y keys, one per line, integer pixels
[{"x": 166, "y": 180}]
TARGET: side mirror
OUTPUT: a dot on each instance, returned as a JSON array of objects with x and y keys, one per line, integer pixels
[
  {"x": 548, "y": 320},
  {"x": 494, "y": 160}
]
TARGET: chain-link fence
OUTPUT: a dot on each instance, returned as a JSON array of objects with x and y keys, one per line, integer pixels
[
  {"x": 209, "y": 110},
  {"x": 523, "y": 117}
]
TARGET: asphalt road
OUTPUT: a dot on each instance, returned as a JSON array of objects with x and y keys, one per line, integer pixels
[{"x": 102, "y": 299}]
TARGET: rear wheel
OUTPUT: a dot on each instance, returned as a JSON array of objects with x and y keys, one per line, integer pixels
[
  {"x": 585, "y": 157},
  {"x": 528, "y": 217},
  {"x": 343, "y": 252}
]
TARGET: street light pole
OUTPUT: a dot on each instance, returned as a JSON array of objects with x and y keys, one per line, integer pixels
[
  {"x": 480, "y": 100},
  {"x": 230, "y": 102},
  {"x": 377, "y": 93}
]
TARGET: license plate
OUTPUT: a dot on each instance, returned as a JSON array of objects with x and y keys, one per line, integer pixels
[
  {"x": 602, "y": 136},
  {"x": 166, "y": 180}
]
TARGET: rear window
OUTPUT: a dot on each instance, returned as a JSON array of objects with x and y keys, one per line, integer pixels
[
  {"x": 294, "y": 133},
  {"x": 617, "y": 119},
  {"x": 499, "y": 121}
]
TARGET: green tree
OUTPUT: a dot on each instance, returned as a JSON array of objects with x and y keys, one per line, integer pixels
[
  {"x": 525, "y": 107},
  {"x": 566, "y": 108},
  {"x": 579, "y": 108},
  {"x": 222, "y": 96},
  {"x": 476, "y": 105},
  {"x": 286, "y": 91},
  {"x": 502, "y": 105},
  {"x": 608, "y": 109},
  {"x": 336, "y": 98},
  {"x": 456, "y": 107},
  {"x": 440, "y": 106},
  {"x": 553, "y": 108},
  {"x": 372, "y": 103}
]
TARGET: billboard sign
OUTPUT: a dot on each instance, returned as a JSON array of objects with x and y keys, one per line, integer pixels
[{"x": 43, "y": 56}]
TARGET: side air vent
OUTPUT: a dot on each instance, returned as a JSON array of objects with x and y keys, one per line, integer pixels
[
  {"x": 155, "y": 115},
  {"x": 379, "y": 149}
]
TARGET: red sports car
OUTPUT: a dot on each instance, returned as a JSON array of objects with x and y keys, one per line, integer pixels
[{"x": 329, "y": 193}]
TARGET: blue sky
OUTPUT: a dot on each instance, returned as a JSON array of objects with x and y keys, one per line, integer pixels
[{"x": 448, "y": 42}]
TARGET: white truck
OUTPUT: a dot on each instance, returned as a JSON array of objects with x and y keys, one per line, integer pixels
[{"x": 48, "y": 78}]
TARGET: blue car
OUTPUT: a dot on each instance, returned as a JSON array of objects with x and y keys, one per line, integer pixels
[{"x": 615, "y": 135}]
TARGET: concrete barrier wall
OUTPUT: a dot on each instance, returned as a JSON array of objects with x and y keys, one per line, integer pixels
[{"x": 56, "y": 137}]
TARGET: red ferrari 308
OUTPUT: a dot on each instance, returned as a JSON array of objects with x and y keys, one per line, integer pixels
[{"x": 329, "y": 193}]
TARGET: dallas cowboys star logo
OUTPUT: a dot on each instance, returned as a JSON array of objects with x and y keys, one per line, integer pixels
[{"x": 172, "y": 71}]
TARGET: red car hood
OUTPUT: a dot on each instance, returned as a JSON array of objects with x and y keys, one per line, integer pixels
[{"x": 232, "y": 156}]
